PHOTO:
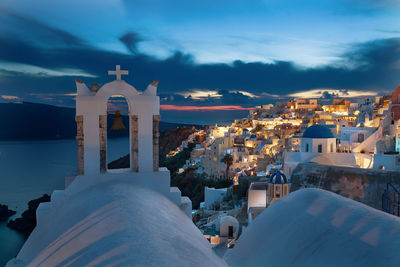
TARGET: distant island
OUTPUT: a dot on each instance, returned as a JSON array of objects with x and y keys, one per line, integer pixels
[{"x": 34, "y": 121}]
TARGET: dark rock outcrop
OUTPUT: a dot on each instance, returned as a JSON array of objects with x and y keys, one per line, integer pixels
[
  {"x": 173, "y": 138},
  {"x": 27, "y": 222},
  {"x": 363, "y": 185},
  {"x": 5, "y": 213}
]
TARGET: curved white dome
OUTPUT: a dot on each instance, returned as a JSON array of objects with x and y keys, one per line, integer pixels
[
  {"x": 114, "y": 224},
  {"x": 225, "y": 222},
  {"x": 314, "y": 227},
  {"x": 318, "y": 131}
]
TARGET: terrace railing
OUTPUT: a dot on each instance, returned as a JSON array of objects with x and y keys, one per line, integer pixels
[{"x": 391, "y": 200}]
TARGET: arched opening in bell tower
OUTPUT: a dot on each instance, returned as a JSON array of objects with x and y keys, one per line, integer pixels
[{"x": 118, "y": 129}]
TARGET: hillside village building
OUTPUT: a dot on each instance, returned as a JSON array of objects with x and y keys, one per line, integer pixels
[
  {"x": 395, "y": 107},
  {"x": 318, "y": 145},
  {"x": 303, "y": 105},
  {"x": 339, "y": 106},
  {"x": 351, "y": 137},
  {"x": 271, "y": 134},
  {"x": 318, "y": 139},
  {"x": 211, "y": 162},
  {"x": 212, "y": 195},
  {"x": 278, "y": 187},
  {"x": 263, "y": 194},
  {"x": 386, "y": 156},
  {"x": 271, "y": 123}
]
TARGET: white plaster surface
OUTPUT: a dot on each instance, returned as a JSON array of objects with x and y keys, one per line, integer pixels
[
  {"x": 225, "y": 222},
  {"x": 313, "y": 227},
  {"x": 327, "y": 144},
  {"x": 115, "y": 223},
  {"x": 390, "y": 162},
  {"x": 212, "y": 195},
  {"x": 257, "y": 199},
  {"x": 292, "y": 159},
  {"x": 369, "y": 144}
]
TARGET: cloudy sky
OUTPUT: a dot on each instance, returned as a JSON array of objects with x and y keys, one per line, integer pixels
[{"x": 214, "y": 59}]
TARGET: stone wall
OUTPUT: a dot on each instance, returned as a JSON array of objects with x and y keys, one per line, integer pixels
[
  {"x": 80, "y": 142},
  {"x": 103, "y": 142},
  {"x": 156, "y": 146},
  {"x": 363, "y": 185},
  {"x": 134, "y": 143}
]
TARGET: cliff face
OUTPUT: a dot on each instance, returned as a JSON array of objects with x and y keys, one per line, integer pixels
[
  {"x": 169, "y": 140},
  {"x": 363, "y": 185},
  {"x": 173, "y": 138}
]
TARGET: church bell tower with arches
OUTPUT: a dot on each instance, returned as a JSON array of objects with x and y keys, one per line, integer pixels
[
  {"x": 144, "y": 117},
  {"x": 91, "y": 119}
]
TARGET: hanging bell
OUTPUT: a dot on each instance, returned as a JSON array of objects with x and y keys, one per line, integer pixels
[{"x": 117, "y": 123}]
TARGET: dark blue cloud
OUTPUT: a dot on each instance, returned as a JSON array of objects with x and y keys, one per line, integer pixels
[
  {"x": 368, "y": 66},
  {"x": 131, "y": 40},
  {"x": 29, "y": 30}
]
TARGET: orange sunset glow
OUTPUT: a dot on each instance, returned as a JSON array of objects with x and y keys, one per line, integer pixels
[{"x": 197, "y": 108}]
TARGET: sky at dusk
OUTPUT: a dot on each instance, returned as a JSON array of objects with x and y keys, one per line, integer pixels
[{"x": 214, "y": 59}]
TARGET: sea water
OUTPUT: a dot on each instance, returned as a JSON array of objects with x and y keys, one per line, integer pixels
[{"x": 30, "y": 169}]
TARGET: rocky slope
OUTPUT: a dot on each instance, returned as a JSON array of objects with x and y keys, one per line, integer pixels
[
  {"x": 169, "y": 140},
  {"x": 363, "y": 185},
  {"x": 27, "y": 222},
  {"x": 5, "y": 213}
]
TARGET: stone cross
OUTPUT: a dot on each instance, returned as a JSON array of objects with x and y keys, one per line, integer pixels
[{"x": 118, "y": 72}]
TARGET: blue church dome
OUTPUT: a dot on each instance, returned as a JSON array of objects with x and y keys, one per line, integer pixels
[
  {"x": 278, "y": 178},
  {"x": 318, "y": 131}
]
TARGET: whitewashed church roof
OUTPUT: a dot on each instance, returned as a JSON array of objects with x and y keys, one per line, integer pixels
[
  {"x": 314, "y": 227},
  {"x": 116, "y": 224},
  {"x": 318, "y": 131}
]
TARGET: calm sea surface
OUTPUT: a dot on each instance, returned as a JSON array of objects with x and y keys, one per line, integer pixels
[{"x": 30, "y": 169}]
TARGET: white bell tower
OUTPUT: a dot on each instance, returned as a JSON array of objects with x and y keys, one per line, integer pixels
[{"x": 91, "y": 118}]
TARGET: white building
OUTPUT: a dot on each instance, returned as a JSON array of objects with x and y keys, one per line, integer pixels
[
  {"x": 351, "y": 137},
  {"x": 228, "y": 227},
  {"x": 226, "y": 230},
  {"x": 318, "y": 145},
  {"x": 256, "y": 199},
  {"x": 212, "y": 195},
  {"x": 257, "y": 195},
  {"x": 278, "y": 186},
  {"x": 263, "y": 194},
  {"x": 318, "y": 139},
  {"x": 211, "y": 161}
]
